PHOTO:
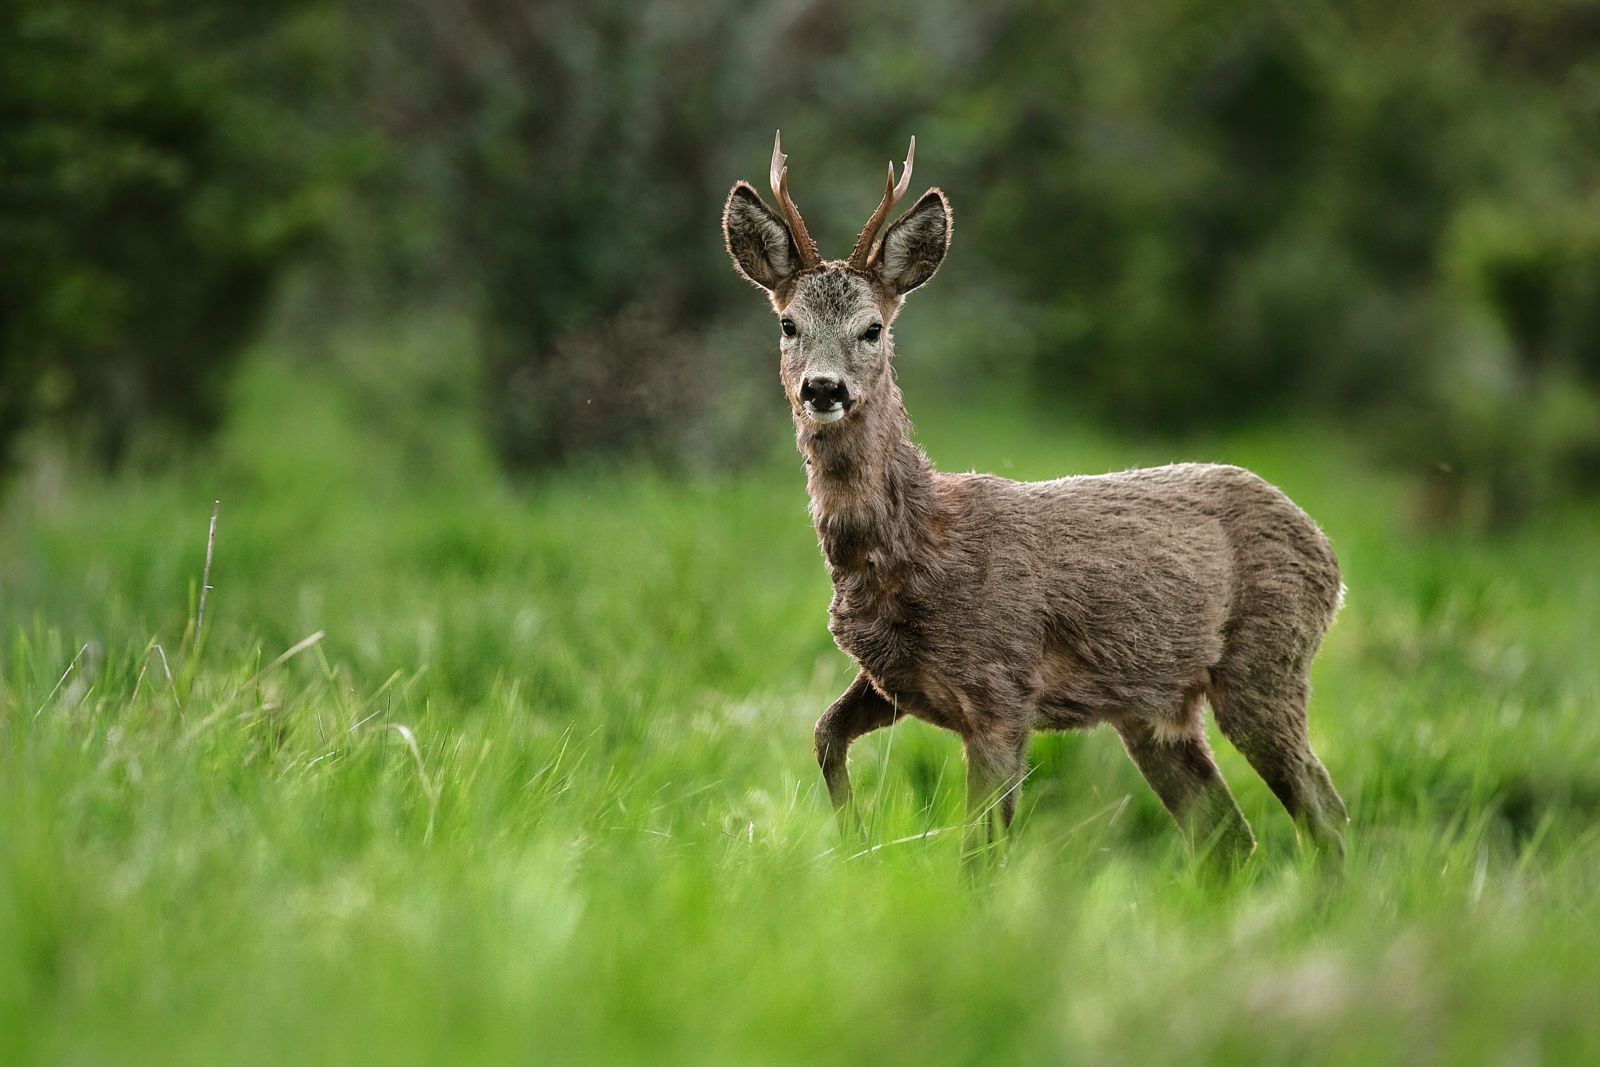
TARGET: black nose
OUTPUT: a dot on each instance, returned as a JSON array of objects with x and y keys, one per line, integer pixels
[{"x": 824, "y": 394}]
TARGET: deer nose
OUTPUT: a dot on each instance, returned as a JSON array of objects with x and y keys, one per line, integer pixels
[{"x": 824, "y": 394}]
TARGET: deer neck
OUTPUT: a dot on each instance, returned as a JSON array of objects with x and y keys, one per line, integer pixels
[{"x": 872, "y": 491}]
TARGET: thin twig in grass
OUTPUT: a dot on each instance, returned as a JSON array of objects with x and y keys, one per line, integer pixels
[
  {"x": 1007, "y": 791},
  {"x": 155, "y": 646},
  {"x": 205, "y": 578},
  {"x": 139, "y": 681},
  {"x": 897, "y": 841},
  {"x": 825, "y": 853},
  {"x": 166, "y": 669},
  {"x": 60, "y": 681}
]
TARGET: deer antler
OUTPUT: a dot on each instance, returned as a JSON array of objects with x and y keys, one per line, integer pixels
[
  {"x": 861, "y": 254},
  {"x": 791, "y": 214}
]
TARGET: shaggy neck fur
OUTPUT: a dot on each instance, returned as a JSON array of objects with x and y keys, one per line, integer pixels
[{"x": 873, "y": 496}]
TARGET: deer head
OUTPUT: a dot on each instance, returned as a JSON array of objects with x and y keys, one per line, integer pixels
[{"x": 835, "y": 315}]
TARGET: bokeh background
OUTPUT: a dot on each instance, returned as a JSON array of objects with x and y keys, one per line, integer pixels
[{"x": 1170, "y": 215}]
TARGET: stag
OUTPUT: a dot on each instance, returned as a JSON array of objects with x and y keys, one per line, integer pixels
[{"x": 993, "y": 607}]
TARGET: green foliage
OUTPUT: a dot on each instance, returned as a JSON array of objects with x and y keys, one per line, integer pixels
[
  {"x": 543, "y": 788},
  {"x": 152, "y": 184},
  {"x": 581, "y": 150},
  {"x": 1173, "y": 214},
  {"x": 1382, "y": 208}
]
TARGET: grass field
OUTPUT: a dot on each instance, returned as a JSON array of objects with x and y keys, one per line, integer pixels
[{"x": 460, "y": 772}]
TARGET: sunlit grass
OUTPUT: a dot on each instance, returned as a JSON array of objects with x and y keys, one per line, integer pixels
[{"x": 543, "y": 788}]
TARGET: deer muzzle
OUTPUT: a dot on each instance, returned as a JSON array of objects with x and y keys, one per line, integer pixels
[{"x": 825, "y": 399}]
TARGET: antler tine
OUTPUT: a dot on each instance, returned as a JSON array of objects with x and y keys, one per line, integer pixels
[
  {"x": 861, "y": 254},
  {"x": 905, "y": 172},
  {"x": 809, "y": 257}
]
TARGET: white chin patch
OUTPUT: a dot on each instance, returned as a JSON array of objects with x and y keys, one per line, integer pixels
[{"x": 833, "y": 415}]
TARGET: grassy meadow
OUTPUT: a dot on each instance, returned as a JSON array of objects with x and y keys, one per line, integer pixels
[{"x": 462, "y": 771}]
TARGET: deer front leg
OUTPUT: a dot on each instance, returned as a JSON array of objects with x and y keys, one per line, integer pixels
[
  {"x": 860, "y": 710},
  {"x": 994, "y": 781}
]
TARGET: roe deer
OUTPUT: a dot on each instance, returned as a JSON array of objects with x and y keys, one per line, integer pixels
[{"x": 993, "y": 607}]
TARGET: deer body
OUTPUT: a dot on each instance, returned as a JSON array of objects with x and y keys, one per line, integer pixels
[{"x": 994, "y": 608}]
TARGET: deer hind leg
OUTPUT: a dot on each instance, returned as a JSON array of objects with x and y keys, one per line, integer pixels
[
  {"x": 861, "y": 709},
  {"x": 1265, "y": 719},
  {"x": 1174, "y": 758}
]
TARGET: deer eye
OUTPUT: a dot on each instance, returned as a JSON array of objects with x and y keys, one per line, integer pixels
[
  {"x": 788, "y": 327},
  {"x": 872, "y": 332}
]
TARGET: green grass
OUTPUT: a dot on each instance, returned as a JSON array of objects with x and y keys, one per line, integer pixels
[{"x": 543, "y": 789}]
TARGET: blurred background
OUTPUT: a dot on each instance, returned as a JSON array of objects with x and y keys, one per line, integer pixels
[{"x": 1170, "y": 215}]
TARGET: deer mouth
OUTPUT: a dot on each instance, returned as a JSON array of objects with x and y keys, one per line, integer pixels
[{"x": 821, "y": 415}]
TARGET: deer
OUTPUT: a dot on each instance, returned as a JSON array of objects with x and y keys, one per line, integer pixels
[{"x": 995, "y": 608}]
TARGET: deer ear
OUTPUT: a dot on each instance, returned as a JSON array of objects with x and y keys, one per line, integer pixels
[
  {"x": 915, "y": 245},
  {"x": 758, "y": 239}
]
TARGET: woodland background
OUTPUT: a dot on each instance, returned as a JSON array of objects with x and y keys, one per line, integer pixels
[{"x": 1171, "y": 216}]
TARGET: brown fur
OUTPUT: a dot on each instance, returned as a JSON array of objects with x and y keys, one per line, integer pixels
[{"x": 994, "y": 608}]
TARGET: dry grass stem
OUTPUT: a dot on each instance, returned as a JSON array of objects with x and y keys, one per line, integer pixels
[
  {"x": 61, "y": 681},
  {"x": 205, "y": 578}
]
